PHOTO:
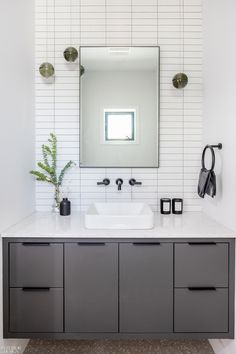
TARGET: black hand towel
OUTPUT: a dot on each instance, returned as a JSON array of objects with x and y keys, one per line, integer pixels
[
  {"x": 207, "y": 178},
  {"x": 203, "y": 182},
  {"x": 211, "y": 185}
]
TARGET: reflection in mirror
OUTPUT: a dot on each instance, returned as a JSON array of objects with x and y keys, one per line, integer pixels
[
  {"x": 119, "y": 106},
  {"x": 119, "y": 125}
]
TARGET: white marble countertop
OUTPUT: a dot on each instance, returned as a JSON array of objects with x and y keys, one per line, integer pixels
[{"x": 189, "y": 224}]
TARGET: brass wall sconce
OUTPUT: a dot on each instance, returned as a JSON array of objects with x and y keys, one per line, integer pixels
[
  {"x": 180, "y": 80},
  {"x": 46, "y": 70},
  {"x": 82, "y": 70},
  {"x": 70, "y": 54}
]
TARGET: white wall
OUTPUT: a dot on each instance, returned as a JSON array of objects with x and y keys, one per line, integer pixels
[
  {"x": 123, "y": 22},
  {"x": 220, "y": 104},
  {"x": 16, "y": 110},
  {"x": 220, "y": 114},
  {"x": 16, "y": 123}
]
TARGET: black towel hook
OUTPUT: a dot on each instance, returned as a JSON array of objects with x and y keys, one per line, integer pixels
[
  {"x": 218, "y": 146},
  {"x": 211, "y": 147}
]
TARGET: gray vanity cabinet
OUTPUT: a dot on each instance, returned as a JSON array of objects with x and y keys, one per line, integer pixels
[
  {"x": 91, "y": 287},
  {"x": 118, "y": 288},
  {"x": 146, "y": 287}
]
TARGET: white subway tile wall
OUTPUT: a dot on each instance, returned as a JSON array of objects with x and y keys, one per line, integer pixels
[{"x": 174, "y": 25}]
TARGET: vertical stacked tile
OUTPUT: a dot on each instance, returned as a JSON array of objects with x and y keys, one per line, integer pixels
[
  {"x": 170, "y": 174},
  {"x": 44, "y": 105},
  {"x": 144, "y": 33},
  {"x": 93, "y": 33},
  {"x": 122, "y": 22}
]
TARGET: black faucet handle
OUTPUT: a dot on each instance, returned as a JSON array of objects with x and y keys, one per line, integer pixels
[
  {"x": 105, "y": 182},
  {"x": 119, "y": 183},
  {"x": 133, "y": 182}
]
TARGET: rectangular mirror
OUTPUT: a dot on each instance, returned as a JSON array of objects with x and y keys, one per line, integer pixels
[{"x": 119, "y": 106}]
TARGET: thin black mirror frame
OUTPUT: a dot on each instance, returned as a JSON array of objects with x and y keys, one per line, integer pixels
[{"x": 81, "y": 165}]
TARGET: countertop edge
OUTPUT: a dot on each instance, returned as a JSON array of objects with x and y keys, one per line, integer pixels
[{"x": 187, "y": 225}]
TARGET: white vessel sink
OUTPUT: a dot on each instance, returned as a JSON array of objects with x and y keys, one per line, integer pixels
[{"x": 119, "y": 216}]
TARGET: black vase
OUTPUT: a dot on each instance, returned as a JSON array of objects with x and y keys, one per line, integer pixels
[{"x": 65, "y": 207}]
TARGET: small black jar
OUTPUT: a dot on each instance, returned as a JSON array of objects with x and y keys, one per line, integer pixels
[
  {"x": 177, "y": 206},
  {"x": 165, "y": 206},
  {"x": 65, "y": 207}
]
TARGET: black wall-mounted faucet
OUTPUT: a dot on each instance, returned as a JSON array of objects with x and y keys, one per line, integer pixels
[
  {"x": 119, "y": 183},
  {"x": 105, "y": 182},
  {"x": 133, "y": 182}
]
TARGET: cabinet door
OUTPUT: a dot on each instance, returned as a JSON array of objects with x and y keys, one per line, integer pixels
[
  {"x": 91, "y": 287},
  {"x": 146, "y": 288}
]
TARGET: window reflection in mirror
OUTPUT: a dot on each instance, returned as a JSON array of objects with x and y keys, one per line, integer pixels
[
  {"x": 119, "y": 106},
  {"x": 119, "y": 125}
]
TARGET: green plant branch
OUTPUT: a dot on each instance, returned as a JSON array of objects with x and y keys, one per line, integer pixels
[
  {"x": 41, "y": 177},
  {"x": 63, "y": 171},
  {"x": 49, "y": 166}
]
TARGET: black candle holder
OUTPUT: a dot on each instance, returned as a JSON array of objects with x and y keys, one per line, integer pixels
[
  {"x": 177, "y": 206},
  {"x": 165, "y": 205}
]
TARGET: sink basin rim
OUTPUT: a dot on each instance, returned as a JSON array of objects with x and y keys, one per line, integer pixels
[{"x": 142, "y": 219}]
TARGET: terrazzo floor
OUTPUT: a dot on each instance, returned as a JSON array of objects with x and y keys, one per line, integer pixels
[{"x": 118, "y": 347}]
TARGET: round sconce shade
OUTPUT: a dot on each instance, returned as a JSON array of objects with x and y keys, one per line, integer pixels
[
  {"x": 70, "y": 54},
  {"x": 46, "y": 70},
  {"x": 82, "y": 70},
  {"x": 180, "y": 80}
]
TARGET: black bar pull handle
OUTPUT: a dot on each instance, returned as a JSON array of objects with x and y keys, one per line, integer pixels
[
  {"x": 35, "y": 289},
  {"x": 146, "y": 243},
  {"x": 201, "y": 243},
  {"x": 35, "y": 243},
  {"x": 104, "y": 182},
  {"x": 133, "y": 182},
  {"x": 201, "y": 288},
  {"x": 91, "y": 243}
]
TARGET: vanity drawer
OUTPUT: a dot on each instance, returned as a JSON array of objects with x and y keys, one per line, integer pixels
[
  {"x": 36, "y": 264},
  {"x": 201, "y": 264},
  {"x": 36, "y": 310},
  {"x": 201, "y": 310}
]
